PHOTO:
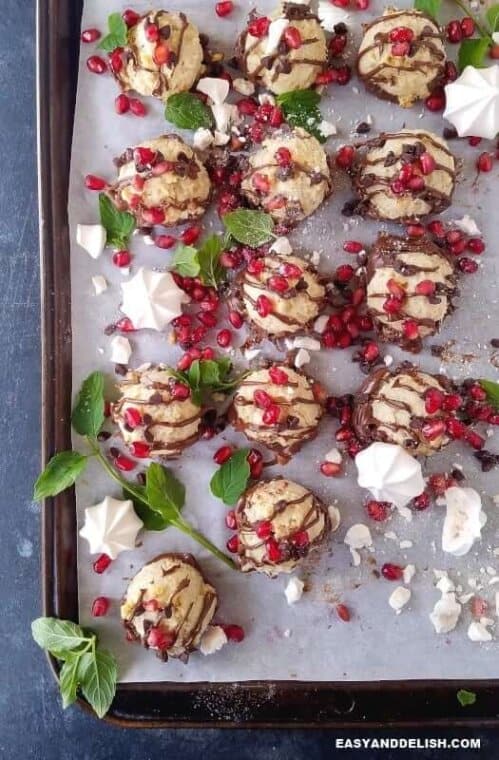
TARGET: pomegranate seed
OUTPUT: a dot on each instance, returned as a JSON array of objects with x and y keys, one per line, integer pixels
[
  {"x": 180, "y": 391},
  {"x": 300, "y": 539},
  {"x": 224, "y": 9},
  {"x": 425, "y": 288},
  {"x": 337, "y": 44},
  {"x": 416, "y": 184},
  {"x": 401, "y": 34},
  {"x": 271, "y": 415},
  {"x": 436, "y": 228},
  {"x": 477, "y": 392},
  {"x": 291, "y": 270},
  {"x": 344, "y": 273},
  {"x": 100, "y": 606},
  {"x": 235, "y": 319},
  {"x": 392, "y": 305},
  {"x": 436, "y": 101},
  {"x": 152, "y": 605},
  {"x": 190, "y": 235},
  {"x": 453, "y": 31},
  {"x": 230, "y": 520},
  {"x": 343, "y": 612},
  {"x": 451, "y": 72},
  {"x": 125, "y": 325},
  {"x": 259, "y": 26},
  {"x": 328, "y": 339},
  {"x": 467, "y": 27},
  {"x": 341, "y": 3},
  {"x": 140, "y": 449},
  {"x": 247, "y": 106},
  {"x": 400, "y": 49},
  {"x": 152, "y": 32},
  {"x": 255, "y": 461},
  {"x": 352, "y": 246},
  {"x": 345, "y": 156},
  {"x": 121, "y": 104},
  {"x": 325, "y": 77},
  {"x": 433, "y": 400},
  {"x": 484, "y": 162},
  {"x": 153, "y": 215},
  {"x": 133, "y": 417},
  {"x": 264, "y": 529},
  {"x": 159, "y": 639},
  {"x": 264, "y": 306},
  {"x": 223, "y": 454},
  {"x": 475, "y": 245},
  {"x": 278, "y": 376},
  {"x": 261, "y": 183},
  {"x": 96, "y": 64},
  {"x": 455, "y": 428},
  {"x": 224, "y": 338},
  {"x": 452, "y": 402},
  {"x": 378, "y": 510},
  {"x": 278, "y": 283},
  {"x": 283, "y": 156},
  {"x": 255, "y": 266},
  {"x": 208, "y": 353},
  {"x": 122, "y": 258},
  {"x": 262, "y": 399},
  {"x": 362, "y": 5},
  {"x": 276, "y": 117},
  {"x": 101, "y": 564},
  {"x": 397, "y": 187},
  {"x": 90, "y": 35},
  {"x": 330, "y": 469},
  {"x": 123, "y": 463},
  {"x": 115, "y": 60},
  {"x": 410, "y": 329},
  {"x": 391, "y": 572},
  {"x": 493, "y": 419},
  {"x": 95, "y": 183},
  {"x": 342, "y": 75},
  {"x": 476, "y": 441},
  {"x": 137, "y": 107},
  {"x": 474, "y": 141},
  {"x": 234, "y": 633},
  {"x": 144, "y": 156},
  {"x": 478, "y": 607},
  {"x": 415, "y": 230},
  {"x": 422, "y": 501},
  {"x": 130, "y": 17},
  {"x": 161, "y": 54},
  {"x": 396, "y": 289},
  {"x": 233, "y": 544},
  {"x": 428, "y": 163},
  {"x": 434, "y": 429},
  {"x": 292, "y": 37},
  {"x": 468, "y": 266},
  {"x": 274, "y": 553},
  {"x": 164, "y": 241},
  {"x": 370, "y": 352}
]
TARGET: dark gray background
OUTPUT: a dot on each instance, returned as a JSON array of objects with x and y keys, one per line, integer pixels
[{"x": 32, "y": 723}]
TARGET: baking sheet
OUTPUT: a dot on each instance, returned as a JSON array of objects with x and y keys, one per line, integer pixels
[{"x": 306, "y": 641}]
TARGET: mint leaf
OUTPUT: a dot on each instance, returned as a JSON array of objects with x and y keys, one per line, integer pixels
[
  {"x": 68, "y": 680},
  {"x": 186, "y": 261},
  {"x": 465, "y": 697},
  {"x": 88, "y": 413},
  {"x": 301, "y": 109},
  {"x": 249, "y": 227},
  {"x": 473, "y": 52},
  {"x": 209, "y": 260},
  {"x": 492, "y": 16},
  {"x": 97, "y": 675},
  {"x": 187, "y": 111},
  {"x": 431, "y": 7},
  {"x": 56, "y": 635},
  {"x": 119, "y": 225},
  {"x": 152, "y": 520},
  {"x": 231, "y": 479},
  {"x": 118, "y": 33},
  {"x": 165, "y": 494},
  {"x": 492, "y": 391},
  {"x": 60, "y": 473}
]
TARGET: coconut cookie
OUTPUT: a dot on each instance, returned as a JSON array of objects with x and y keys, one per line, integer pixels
[
  {"x": 278, "y": 523},
  {"x": 155, "y": 413},
  {"x": 168, "y": 606},
  {"x": 404, "y": 175},
  {"x": 287, "y": 176},
  {"x": 163, "y": 55},
  {"x": 402, "y": 57},
  {"x": 161, "y": 181},
  {"x": 285, "y": 52},
  {"x": 410, "y": 286},
  {"x": 278, "y": 407}
]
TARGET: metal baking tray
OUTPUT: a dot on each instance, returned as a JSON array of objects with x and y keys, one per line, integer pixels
[{"x": 166, "y": 704}]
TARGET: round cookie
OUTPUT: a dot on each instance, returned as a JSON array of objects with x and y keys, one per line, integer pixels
[
  {"x": 402, "y": 57},
  {"x": 168, "y": 605},
  {"x": 278, "y": 523},
  {"x": 161, "y": 181}
]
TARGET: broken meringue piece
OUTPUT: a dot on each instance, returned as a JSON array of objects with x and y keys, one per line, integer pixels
[
  {"x": 399, "y": 598},
  {"x": 462, "y": 524},
  {"x": 111, "y": 527},
  {"x": 477, "y": 631},
  {"x": 214, "y": 638},
  {"x": 121, "y": 350},
  {"x": 445, "y": 613},
  {"x": 100, "y": 284},
  {"x": 294, "y": 590},
  {"x": 91, "y": 237}
]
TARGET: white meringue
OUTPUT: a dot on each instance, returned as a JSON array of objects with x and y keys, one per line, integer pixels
[
  {"x": 358, "y": 537},
  {"x": 111, "y": 527},
  {"x": 477, "y": 631},
  {"x": 389, "y": 473},
  {"x": 399, "y": 598},
  {"x": 152, "y": 299},
  {"x": 214, "y": 638},
  {"x": 462, "y": 524},
  {"x": 445, "y": 613},
  {"x": 121, "y": 350},
  {"x": 274, "y": 34},
  {"x": 215, "y": 88},
  {"x": 91, "y": 237},
  {"x": 472, "y": 102},
  {"x": 330, "y": 15},
  {"x": 294, "y": 590}
]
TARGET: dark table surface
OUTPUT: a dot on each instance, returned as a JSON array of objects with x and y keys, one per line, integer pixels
[{"x": 32, "y": 723}]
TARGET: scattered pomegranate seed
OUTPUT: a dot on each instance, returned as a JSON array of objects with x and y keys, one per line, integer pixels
[
  {"x": 233, "y": 544},
  {"x": 247, "y": 106},
  {"x": 130, "y": 17},
  {"x": 190, "y": 235},
  {"x": 264, "y": 529},
  {"x": 344, "y": 273},
  {"x": 477, "y": 392},
  {"x": 95, "y": 183},
  {"x": 391, "y": 572},
  {"x": 133, "y": 417},
  {"x": 259, "y": 26},
  {"x": 330, "y": 469},
  {"x": 125, "y": 325},
  {"x": 271, "y": 415},
  {"x": 274, "y": 553},
  {"x": 436, "y": 228},
  {"x": 362, "y": 5},
  {"x": 455, "y": 428},
  {"x": 90, "y": 35},
  {"x": 255, "y": 461},
  {"x": 434, "y": 429},
  {"x": 160, "y": 639},
  {"x": 484, "y": 162},
  {"x": 234, "y": 633},
  {"x": 292, "y": 37},
  {"x": 479, "y": 607},
  {"x": 96, "y": 64},
  {"x": 341, "y": 3},
  {"x": 378, "y": 510},
  {"x": 452, "y": 401},
  {"x": 121, "y": 104},
  {"x": 475, "y": 441},
  {"x": 164, "y": 241},
  {"x": 124, "y": 463},
  {"x": 230, "y": 520},
  {"x": 115, "y": 60},
  {"x": 101, "y": 564},
  {"x": 278, "y": 376},
  {"x": 137, "y": 107},
  {"x": 454, "y": 32},
  {"x": 370, "y": 352},
  {"x": 345, "y": 156},
  {"x": 467, "y": 27},
  {"x": 352, "y": 246},
  {"x": 436, "y": 101},
  {"x": 474, "y": 141},
  {"x": 224, "y": 9},
  {"x": 433, "y": 400},
  {"x": 180, "y": 391},
  {"x": 468, "y": 266},
  {"x": 122, "y": 258},
  {"x": 100, "y": 606},
  {"x": 475, "y": 245},
  {"x": 224, "y": 338},
  {"x": 140, "y": 449},
  {"x": 325, "y": 77},
  {"x": 343, "y": 612},
  {"x": 264, "y": 306},
  {"x": 422, "y": 501},
  {"x": 154, "y": 215},
  {"x": 223, "y": 454},
  {"x": 337, "y": 44},
  {"x": 235, "y": 319}
]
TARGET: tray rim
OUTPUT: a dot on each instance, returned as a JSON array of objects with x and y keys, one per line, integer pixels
[{"x": 58, "y": 48}]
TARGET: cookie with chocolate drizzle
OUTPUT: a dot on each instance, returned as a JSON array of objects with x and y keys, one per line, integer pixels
[
  {"x": 278, "y": 523},
  {"x": 156, "y": 411},
  {"x": 287, "y": 176},
  {"x": 168, "y": 605},
  {"x": 163, "y": 55},
  {"x": 410, "y": 286},
  {"x": 161, "y": 181},
  {"x": 279, "y": 407},
  {"x": 403, "y": 175},
  {"x": 402, "y": 57},
  {"x": 390, "y": 407},
  {"x": 283, "y": 67}
]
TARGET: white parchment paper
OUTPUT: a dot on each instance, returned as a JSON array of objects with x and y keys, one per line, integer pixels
[{"x": 306, "y": 641}]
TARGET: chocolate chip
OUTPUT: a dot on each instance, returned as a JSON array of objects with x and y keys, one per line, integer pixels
[
  {"x": 109, "y": 330},
  {"x": 103, "y": 436},
  {"x": 165, "y": 31},
  {"x": 450, "y": 133},
  {"x": 120, "y": 369},
  {"x": 363, "y": 128},
  {"x": 494, "y": 342}
]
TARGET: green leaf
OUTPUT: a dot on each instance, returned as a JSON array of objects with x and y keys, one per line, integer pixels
[
  {"x": 152, "y": 520},
  {"x": 119, "y": 225},
  {"x": 492, "y": 16},
  {"x": 473, "y": 52},
  {"x": 249, "y": 227},
  {"x": 430, "y": 7},
  {"x": 231, "y": 479},
  {"x": 56, "y": 635},
  {"x": 492, "y": 391},
  {"x": 186, "y": 261},
  {"x": 165, "y": 494},
  {"x": 60, "y": 473},
  {"x": 97, "y": 675},
  {"x": 209, "y": 260},
  {"x": 187, "y": 111},
  {"x": 465, "y": 697},
  {"x": 301, "y": 109},
  {"x": 68, "y": 680},
  {"x": 88, "y": 412},
  {"x": 118, "y": 33}
]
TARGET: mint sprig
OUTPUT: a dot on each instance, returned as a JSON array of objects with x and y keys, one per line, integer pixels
[
  {"x": 231, "y": 479},
  {"x": 117, "y": 35},
  {"x": 472, "y": 52},
  {"x": 187, "y": 111},
  {"x": 160, "y": 502},
  {"x": 86, "y": 666},
  {"x": 465, "y": 697},
  {"x": 430, "y": 7},
  {"x": 119, "y": 225},
  {"x": 492, "y": 390},
  {"x": 301, "y": 109},
  {"x": 249, "y": 227},
  {"x": 208, "y": 375},
  {"x": 203, "y": 262}
]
